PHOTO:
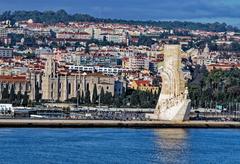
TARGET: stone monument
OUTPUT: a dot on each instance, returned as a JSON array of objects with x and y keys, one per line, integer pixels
[{"x": 173, "y": 103}]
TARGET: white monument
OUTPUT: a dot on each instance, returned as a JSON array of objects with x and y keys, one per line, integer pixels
[{"x": 173, "y": 104}]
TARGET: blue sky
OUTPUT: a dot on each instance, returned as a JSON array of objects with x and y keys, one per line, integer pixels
[{"x": 192, "y": 10}]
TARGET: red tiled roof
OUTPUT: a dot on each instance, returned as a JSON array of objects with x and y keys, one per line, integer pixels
[
  {"x": 8, "y": 78},
  {"x": 142, "y": 82}
]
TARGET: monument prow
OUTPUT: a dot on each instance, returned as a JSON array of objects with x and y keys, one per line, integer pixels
[{"x": 173, "y": 103}]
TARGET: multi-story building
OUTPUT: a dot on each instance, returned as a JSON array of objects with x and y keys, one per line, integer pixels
[
  {"x": 21, "y": 83},
  {"x": 104, "y": 70},
  {"x": 3, "y": 33},
  {"x": 116, "y": 38},
  {"x": 138, "y": 63},
  {"x": 6, "y": 52},
  {"x": 62, "y": 86},
  {"x": 74, "y": 35},
  {"x": 144, "y": 85}
]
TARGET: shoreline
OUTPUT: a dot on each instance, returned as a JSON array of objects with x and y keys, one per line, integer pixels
[{"x": 27, "y": 123}]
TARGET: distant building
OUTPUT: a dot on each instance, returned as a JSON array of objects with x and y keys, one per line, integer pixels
[
  {"x": 22, "y": 84},
  {"x": 137, "y": 63},
  {"x": 6, "y": 52},
  {"x": 42, "y": 52},
  {"x": 6, "y": 108},
  {"x": 62, "y": 86},
  {"x": 3, "y": 33},
  {"x": 222, "y": 66},
  {"x": 144, "y": 85},
  {"x": 104, "y": 70},
  {"x": 116, "y": 38},
  {"x": 77, "y": 36}
]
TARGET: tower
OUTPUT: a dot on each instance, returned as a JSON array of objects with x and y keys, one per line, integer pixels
[
  {"x": 50, "y": 80},
  {"x": 173, "y": 103}
]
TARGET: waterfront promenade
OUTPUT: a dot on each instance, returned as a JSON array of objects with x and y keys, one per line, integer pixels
[{"x": 111, "y": 123}]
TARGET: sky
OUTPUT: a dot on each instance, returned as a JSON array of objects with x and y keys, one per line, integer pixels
[{"x": 183, "y": 10}]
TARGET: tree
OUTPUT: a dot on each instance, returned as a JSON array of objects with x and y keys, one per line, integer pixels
[
  {"x": 81, "y": 98},
  {"x": 118, "y": 101},
  {"x": 54, "y": 44},
  {"x": 12, "y": 94},
  {"x": 19, "y": 98},
  {"x": 95, "y": 95},
  {"x": 77, "y": 44},
  {"x": 25, "y": 99},
  {"x": 37, "y": 93},
  {"x": 215, "y": 87},
  {"x": 107, "y": 99},
  {"x": 102, "y": 95},
  {"x": 5, "y": 94},
  {"x": 87, "y": 50},
  {"x": 87, "y": 96},
  {"x": 105, "y": 39},
  {"x": 134, "y": 99},
  {"x": 51, "y": 17},
  {"x": 146, "y": 41}
]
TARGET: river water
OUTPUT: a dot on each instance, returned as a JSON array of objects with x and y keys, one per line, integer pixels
[{"x": 119, "y": 145}]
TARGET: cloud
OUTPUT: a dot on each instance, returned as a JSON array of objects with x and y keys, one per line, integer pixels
[
  {"x": 164, "y": 9},
  {"x": 135, "y": 9}
]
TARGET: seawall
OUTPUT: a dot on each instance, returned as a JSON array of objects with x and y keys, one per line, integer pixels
[{"x": 113, "y": 124}]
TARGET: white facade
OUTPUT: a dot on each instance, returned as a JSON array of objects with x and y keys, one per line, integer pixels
[
  {"x": 4, "y": 108},
  {"x": 74, "y": 35},
  {"x": 105, "y": 70},
  {"x": 116, "y": 38},
  {"x": 3, "y": 33},
  {"x": 6, "y": 52}
]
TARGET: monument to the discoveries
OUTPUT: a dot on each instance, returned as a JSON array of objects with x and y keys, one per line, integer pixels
[{"x": 173, "y": 103}]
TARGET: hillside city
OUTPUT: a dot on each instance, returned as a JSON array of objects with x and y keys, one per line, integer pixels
[{"x": 113, "y": 65}]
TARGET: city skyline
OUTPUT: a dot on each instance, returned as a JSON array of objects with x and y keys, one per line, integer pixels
[{"x": 197, "y": 11}]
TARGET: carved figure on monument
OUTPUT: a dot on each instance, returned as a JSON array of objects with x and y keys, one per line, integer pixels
[{"x": 173, "y": 103}]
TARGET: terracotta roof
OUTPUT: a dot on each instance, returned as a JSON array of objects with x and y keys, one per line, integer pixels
[
  {"x": 224, "y": 65},
  {"x": 75, "y": 33},
  {"x": 8, "y": 78},
  {"x": 142, "y": 82}
]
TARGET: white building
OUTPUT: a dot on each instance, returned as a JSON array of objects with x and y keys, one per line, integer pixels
[
  {"x": 74, "y": 35},
  {"x": 6, "y": 108},
  {"x": 116, "y": 38},
  {"x": 137, "y": 63},
  {"x": 3, "y": 33},
  {"x": 6, "y": 52},
  {"x": 104, "y": 70}
]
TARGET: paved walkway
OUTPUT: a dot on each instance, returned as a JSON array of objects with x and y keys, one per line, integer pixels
[{"x": 110, "y": 123}]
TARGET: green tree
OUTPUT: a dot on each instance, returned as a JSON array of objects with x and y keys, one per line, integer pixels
[
  {"x": 5, "y": 94},
  {"x": 81, "y": 99},
  {"x": 134, "y": 99},
  {"x": 95, "y": 95},
  {"x": 25, "y": 99},
  {"x": 87, "y": 50},
  {"x": 37, "y": 93},
  {"x": 87, "y": 97},
  {"x": 107, "y": 100},
  {"x": 19, "y": 97},
  {"x": 12, "y": 94},
  {"x": 118, "y": 101},
  {"x": 102, "y": 95}
]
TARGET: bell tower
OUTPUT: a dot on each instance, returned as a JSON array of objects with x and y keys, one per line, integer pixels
[{"x": 50, "y": 80}]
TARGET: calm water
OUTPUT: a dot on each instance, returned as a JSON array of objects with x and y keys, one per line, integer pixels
[{"x": 119, "y": 146}]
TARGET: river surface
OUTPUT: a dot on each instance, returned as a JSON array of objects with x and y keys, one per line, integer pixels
[{"x": 113, "y": 145}]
